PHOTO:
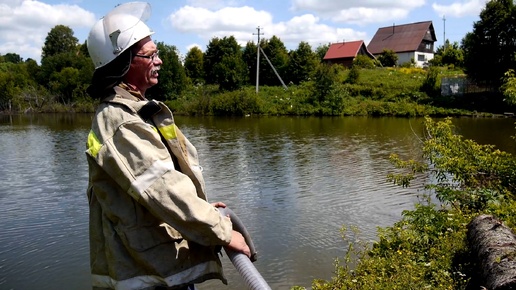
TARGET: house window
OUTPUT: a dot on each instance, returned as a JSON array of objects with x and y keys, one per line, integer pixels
[
  {"x": 420, "y": 57},
  {"x": 428, "y": 46}
]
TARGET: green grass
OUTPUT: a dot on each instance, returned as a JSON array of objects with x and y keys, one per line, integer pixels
[{"x": 377, "y": 92}]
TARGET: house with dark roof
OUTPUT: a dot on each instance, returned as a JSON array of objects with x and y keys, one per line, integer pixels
[
  {"x": 345, "y": 52},
  {"x": 408, "y": 41}
]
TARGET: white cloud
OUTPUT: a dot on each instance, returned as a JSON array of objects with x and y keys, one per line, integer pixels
[
  {"x": 12, "y": 3},
  {"x": 364, "y": 16},
  {"x": 194, "y": 45},
  {"x": 460, "y": 9},
  {"x": 215, "y": 4},
  {"x": 327, "y": 6},
  {"x": 25, "y": 24},
  {"x": 201, "y": 20},
  {"x": 241, "y": 22},
  {"x": 308, "y": 28},
  {"x": 358, "y": 12}
]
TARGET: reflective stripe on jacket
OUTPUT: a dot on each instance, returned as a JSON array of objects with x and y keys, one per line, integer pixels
[{"x": 150, "y": 222}]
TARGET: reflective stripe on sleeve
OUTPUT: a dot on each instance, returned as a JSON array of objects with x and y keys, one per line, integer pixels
[
  {"x": 168, "y": 132},
  {"x": 147, "y": 178},
  {"x": 93, "y": 143}
]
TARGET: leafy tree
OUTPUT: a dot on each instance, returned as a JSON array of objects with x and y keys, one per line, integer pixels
[
  {"x": 231, "y": 72},
  {"x": 453, "y": 55},
  {"x": 12, "y": 57},
  {"x": 353, "y": 75},
  {"x": 83, "y": 49},
  {"x": 64, "y": 82},
  {"x": 76, "y": 67},
  {"x": 32, "y": 69},
  {"x": 8, "y": 89},
  {"x": 430, "y": 84},
  {"x": 509, "y": 87},
  {"x": 215, "y": 51},
  {"x": 172, "y": 75},
  {"x": 222, "y": 55},
  {"x": 448, "y": 55},
  {"x": 321, "y": 51},
  {"x": 213, "y": 54},
  {"x": 86, "y": 69},
  {"x": 388, "y": 58},
  {"x": 250, "y": 55},
  {"x": 302, "y": 63},
  {"x": 60, "y": 39},
  {"x": 194, "y": 65},
  {"x": 489, "y": 51},
  {"x": 325, "y": 77},
  {"x": 14, "y": 79},
  {"x": 276, "y": 52}
]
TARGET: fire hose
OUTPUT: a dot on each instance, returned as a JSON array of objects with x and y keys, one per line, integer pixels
[{"x": 244, "y": 265}]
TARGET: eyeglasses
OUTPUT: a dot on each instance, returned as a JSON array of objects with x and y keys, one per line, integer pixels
[{"x": 151, "y": 57}]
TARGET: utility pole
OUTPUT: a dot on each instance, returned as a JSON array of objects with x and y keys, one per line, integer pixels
[
  {"x": 258, "y": 58},
  {"x": 444, "y": 32}
]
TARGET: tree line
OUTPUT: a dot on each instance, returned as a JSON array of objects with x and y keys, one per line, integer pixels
[{"x": 487, "y": 55}]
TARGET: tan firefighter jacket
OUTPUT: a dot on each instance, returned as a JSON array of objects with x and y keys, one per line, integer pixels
[{"x": 150, "y": 222}]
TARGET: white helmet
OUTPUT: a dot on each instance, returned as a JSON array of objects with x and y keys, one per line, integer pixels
[{"x": 117, "y": 31}]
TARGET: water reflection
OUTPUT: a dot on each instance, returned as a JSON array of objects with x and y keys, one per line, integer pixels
[
  {"x": 297, "y": 181},
  {"x": 293, "y": 181},
  {"x": 496, "y": 131},
  {"x": 42, "y": 216}
]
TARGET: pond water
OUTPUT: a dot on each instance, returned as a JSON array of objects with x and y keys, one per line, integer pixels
[{"x": 294, "y": 182}]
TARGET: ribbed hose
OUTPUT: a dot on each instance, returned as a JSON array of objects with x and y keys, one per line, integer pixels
[{"x": 252, "y": 278}]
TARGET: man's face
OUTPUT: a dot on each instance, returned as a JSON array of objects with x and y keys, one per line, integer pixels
[{"x": 145, "y": 65}]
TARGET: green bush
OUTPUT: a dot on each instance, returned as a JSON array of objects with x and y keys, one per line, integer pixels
[
  {"x": 236, "y": 103},
  {"x": 363, "y": 61},
  {"x": 353, "y": 75}
]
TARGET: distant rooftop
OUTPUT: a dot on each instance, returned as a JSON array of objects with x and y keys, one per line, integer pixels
[{"x": 401, "y": 38}]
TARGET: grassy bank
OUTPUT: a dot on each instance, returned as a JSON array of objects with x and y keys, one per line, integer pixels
[{"x": 375, "y": 92}]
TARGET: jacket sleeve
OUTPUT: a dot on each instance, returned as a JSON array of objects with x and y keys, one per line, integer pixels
[{"x": 138, "y": 161}]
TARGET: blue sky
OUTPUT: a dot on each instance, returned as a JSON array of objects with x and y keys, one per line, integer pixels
[{"x": 24, "y": 24}]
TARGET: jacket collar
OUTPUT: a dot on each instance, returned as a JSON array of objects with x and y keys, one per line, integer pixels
[{"x": 126, "y": 91}]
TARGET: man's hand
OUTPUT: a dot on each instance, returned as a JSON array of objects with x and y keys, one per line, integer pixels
[
  {"x": 238, "y": 244},
  {"x": 219, "y": 204}
]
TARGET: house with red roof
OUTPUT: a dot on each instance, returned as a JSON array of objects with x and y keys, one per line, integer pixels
[
  {"x": 409, "y": 41},
  {"x": 345, "y": 52}
]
